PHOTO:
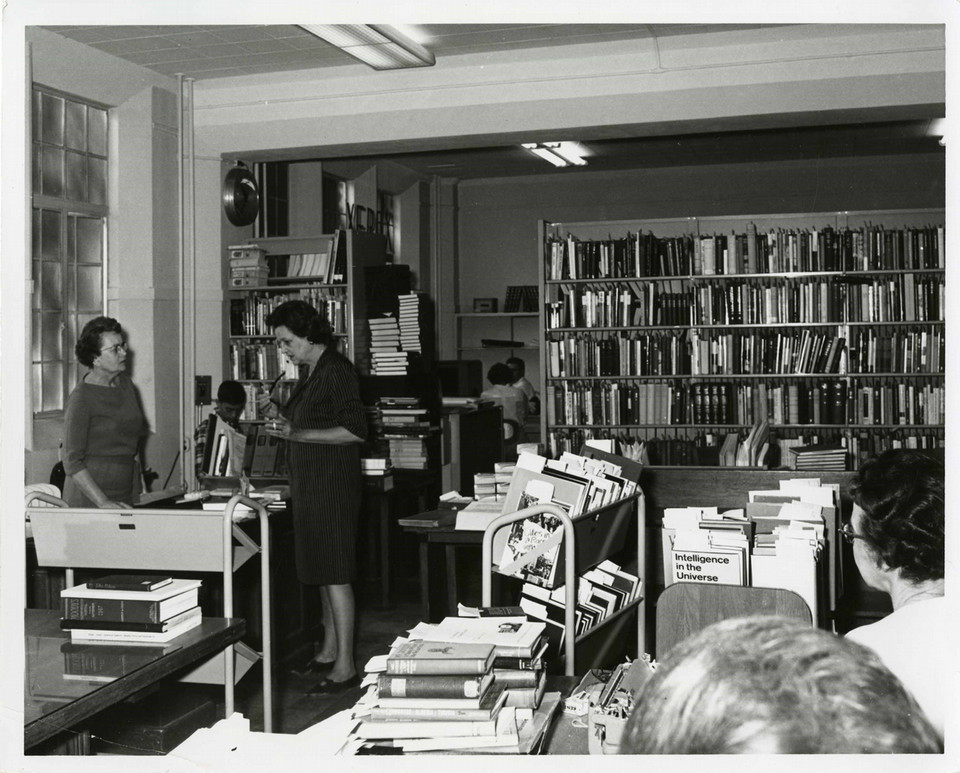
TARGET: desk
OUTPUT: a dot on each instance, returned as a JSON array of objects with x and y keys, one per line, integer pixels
[{"x": 53, "y": 702}]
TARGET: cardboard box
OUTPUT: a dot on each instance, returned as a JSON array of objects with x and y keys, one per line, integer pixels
[{"x": 246, "y": 251}]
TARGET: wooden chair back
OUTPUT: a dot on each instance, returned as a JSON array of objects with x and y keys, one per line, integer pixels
[{"x": 686, "y": 607}]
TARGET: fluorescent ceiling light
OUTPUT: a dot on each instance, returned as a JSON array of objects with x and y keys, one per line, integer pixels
[
  {"x": 378, "y": 45},
  {"x": 558, "y": 153}
]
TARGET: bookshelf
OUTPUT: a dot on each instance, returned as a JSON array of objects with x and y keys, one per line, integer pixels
[
  {"x": 517, "y": 326},
  {"x": 253, "y": 355},
  {"x": 679, "y": 331}
]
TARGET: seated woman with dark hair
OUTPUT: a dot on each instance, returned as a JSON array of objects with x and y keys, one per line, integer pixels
[
  {"x": 771, "y": 685},
  {"x": 898, "y": 544}
]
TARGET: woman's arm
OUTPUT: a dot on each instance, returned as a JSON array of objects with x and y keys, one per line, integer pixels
[
  {"x": 94, "y": 493},
  {"x": 338, "y": 436}
]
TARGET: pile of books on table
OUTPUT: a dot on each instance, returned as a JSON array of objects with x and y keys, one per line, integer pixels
[
  {"x": 147, "y": 609},
  {"x": 473, "y": 684}
]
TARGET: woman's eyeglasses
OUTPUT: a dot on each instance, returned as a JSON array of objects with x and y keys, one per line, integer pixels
[
  {"x": 116, "y": 348},
  {"x": 849, "y": 534}
]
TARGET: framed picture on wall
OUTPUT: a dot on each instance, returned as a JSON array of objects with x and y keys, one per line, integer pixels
[{"x": 485, "y": 305}]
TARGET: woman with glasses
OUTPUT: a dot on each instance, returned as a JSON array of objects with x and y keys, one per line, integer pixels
[
  {"x": 324, "y": 424},
  {"x": 103, "y": 423},
  {"x": 898, "y": 545}
]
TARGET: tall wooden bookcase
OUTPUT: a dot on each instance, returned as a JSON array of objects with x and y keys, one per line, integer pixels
[
  {"x": 254, "y": 357},
  {"x": 826, "y": 324}
]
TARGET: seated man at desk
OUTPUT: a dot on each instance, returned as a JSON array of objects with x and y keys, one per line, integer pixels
[
  {"x": 502, "y": 392},
  {"x": 771, "y": 685},
  {"x": 229, "y": 405}
]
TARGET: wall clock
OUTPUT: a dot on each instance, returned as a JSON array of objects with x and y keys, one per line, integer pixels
[{"x": 241, "y": 197}]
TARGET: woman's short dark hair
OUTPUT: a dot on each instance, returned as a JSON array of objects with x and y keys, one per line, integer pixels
[
  {"x": 901, "y": 494},
  {"x": 301, "y": 319},
  {"x": 775, "y": 685},
  {"x": 89, "y": 344},
  {"x": 500, "y": 373}
]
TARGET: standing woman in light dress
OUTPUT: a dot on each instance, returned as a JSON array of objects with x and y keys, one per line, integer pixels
[{"x": 104, "y": 424}]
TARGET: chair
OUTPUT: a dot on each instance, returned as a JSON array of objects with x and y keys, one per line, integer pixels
[{"x": 686, "y": 607}]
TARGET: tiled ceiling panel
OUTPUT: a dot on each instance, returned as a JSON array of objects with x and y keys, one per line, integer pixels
[{"x": 218, "y": 51}]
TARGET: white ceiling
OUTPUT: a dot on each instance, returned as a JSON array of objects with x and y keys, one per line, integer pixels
[{"x": 219, "y": 51}]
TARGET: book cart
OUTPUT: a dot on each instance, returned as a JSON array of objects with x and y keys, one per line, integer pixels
[
  {"x": 145, "y": 539},
  {"x": 588, "y": 539}
]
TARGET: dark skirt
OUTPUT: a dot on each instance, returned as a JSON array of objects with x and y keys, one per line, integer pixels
[
  {"x": 117, "y": 476},
  {"x": 326, "y": 490}
]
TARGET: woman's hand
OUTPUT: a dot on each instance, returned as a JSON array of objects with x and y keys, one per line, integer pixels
[
  {"x": 279, "y": 427},
  {"x": 266, "y": 406}
]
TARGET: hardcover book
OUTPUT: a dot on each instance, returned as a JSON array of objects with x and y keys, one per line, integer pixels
[
  {"x": 163, "y": 626},
  {"x": 488, "y": 707},
  {"x": 437, "y": 657},
  {"x": 433, "y": 685},
  {"x": 138, "y": 582},
  {"x": 144, "y": 611}
]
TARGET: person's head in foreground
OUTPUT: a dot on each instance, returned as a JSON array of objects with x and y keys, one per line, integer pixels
[
  {"x": 897, "y": 523},
  {"x": 772, "y": 685}
]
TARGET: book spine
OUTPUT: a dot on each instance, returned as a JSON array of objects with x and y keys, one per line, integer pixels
[
  {"x": 385, "y": 714},
  {"x": 438, "y": 666},
  {"x": 114, "y": 610},
  {"x": 110, "y": 625},
  {"x": 438, "y": 686}
]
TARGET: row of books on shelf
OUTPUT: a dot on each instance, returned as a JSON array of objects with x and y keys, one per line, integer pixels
[
  {"x": 261, "y": 361},
  {"x": 248, "y": 314},
  {"x": 521, "y": 298},
  {"x": 902, "y": 298},
  {"x": 130, "y": 609},
  {"x": 640, "y": 254},
  {"x": 686, "y": 447},
  {"x": 251, "y": 411},
  {"x": 740, "y": 352},
  {"x": 474, "y": 684},
  {"x": 327, "y": 265},
  {"x": 717, "y": 403},
  {"x": 601, "y": 592}
]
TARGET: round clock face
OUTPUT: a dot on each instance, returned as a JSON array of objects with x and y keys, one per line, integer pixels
[{"x": 241, "y": 198}]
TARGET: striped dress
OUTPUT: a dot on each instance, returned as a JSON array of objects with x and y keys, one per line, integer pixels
[{"x": 325, "y": 482}]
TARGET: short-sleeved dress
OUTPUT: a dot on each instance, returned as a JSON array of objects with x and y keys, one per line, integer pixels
[
  {"x": 103, "y": 426},
  {"x": 325, "y": 482}
]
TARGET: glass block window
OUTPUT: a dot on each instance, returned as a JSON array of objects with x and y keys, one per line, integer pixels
[{"x": 69, "y": 227}]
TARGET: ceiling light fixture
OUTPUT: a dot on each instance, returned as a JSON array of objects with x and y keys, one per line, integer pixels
[
  {"x": 558, "y": 153},
  {"x": 378, "y": 45}
]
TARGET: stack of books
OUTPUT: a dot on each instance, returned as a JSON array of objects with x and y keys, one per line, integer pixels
[
  {"x": 434, "y": 690},
  {"x": 470, "y": 684},
  {"x": 411, "y": 311},
  {"x": 376, "y": 467},
  {"x": 819, "y": 457},
  {"x": 385, "y": 355},
  {"x": 149, "y": 609},
  {"x": 406, "y": 428},
  {"x": 601, "y": 592}
]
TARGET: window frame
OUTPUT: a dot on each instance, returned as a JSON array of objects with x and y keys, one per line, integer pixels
[{"x": 68, "y": 210}]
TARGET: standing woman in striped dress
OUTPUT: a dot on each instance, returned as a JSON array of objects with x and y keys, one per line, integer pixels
[{"x": 323, "y": 423}]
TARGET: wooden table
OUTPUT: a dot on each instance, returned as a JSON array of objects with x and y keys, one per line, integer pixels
[{"x": 56, "y": 699}]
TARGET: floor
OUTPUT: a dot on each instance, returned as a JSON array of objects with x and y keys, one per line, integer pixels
[{"x": 294, "y": 710}]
